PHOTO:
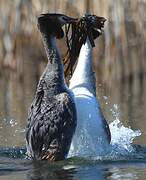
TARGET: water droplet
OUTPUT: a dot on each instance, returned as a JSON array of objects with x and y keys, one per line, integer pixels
[
  {"x": 105, "y": 97},
  {"x": 90, "y": 116}
]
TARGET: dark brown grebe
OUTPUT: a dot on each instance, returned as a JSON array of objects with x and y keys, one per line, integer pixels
[{"x": 52, "y": 115}]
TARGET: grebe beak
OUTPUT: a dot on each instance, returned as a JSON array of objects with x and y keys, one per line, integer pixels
[{"x": 61, "y": 18}]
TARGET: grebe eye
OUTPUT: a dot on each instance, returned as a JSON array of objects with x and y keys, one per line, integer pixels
[{"x": 64, "y": 18}]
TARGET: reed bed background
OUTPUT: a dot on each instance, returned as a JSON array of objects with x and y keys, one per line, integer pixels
[{"x": 120, "y": 51}]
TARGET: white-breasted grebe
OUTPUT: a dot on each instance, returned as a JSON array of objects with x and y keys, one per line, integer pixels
[{"x": 92, "y": 132}]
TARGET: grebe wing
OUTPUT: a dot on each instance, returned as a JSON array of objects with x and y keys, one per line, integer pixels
[{"x": 50, "y": 126}]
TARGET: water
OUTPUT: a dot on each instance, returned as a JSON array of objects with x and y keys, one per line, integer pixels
[
  {"x": 73, "y": 168},
  {"x": 124, "y": 107}
]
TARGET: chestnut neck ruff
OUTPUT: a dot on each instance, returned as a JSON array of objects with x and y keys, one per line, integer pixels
[{"x": 76, "y": 34}]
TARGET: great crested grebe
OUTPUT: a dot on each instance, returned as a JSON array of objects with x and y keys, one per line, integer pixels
[
  {"x": 92, "y": 129},
  {"x": 52, "y": 115}
]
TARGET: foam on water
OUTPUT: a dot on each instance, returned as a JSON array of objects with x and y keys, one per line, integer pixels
[{"x": 121, "y": 147}]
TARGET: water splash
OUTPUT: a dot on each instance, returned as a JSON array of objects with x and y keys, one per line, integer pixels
[
  {"x": 10, "y": 130},
  {"x": 121, "y": 135},
  {"x": 121, "y": 147}
]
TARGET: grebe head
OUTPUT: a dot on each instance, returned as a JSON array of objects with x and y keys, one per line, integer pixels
[
  {"x": 52, "y": 24},
  {"x": 96, "y": 24},
  {"x": 90, "y": 26}
]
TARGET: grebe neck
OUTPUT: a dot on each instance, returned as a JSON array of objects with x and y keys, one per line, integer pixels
[
  {"x": 54, "y": 67},
  {"x": 83, "y": 75}
]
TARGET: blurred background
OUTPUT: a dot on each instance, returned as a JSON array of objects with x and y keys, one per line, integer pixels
[{"x": 119, "y": 60}]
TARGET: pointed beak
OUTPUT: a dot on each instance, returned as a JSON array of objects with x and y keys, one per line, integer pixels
[
  {"x": 67, "y": 20},
  {"x": 103, "y": 20},
  {"x": 63, "y": 19}
]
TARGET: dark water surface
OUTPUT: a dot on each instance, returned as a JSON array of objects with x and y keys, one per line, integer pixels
[{"x": 74, "y": 168}]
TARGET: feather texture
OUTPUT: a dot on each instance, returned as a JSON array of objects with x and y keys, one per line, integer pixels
[{"x": 52, "y": 115}]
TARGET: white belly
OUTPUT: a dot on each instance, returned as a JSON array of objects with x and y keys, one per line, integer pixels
[{"x": 90, "y": 137}]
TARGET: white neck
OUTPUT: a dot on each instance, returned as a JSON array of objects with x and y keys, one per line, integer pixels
[{"x": 83, "y": 75}]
